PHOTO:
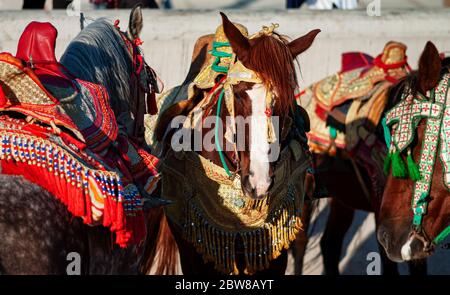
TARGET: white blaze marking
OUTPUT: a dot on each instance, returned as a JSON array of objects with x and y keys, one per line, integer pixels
[
  {"x": 406, "y": 250},
  {"x": 259, "y": 144}
]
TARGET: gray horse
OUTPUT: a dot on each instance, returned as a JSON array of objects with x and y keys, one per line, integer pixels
[{"x": 37, "y": 232}]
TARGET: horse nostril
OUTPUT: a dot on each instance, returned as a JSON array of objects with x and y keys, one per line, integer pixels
[
  {"x": 246, "y": 186},
  {"x": 383, "y": 237}
]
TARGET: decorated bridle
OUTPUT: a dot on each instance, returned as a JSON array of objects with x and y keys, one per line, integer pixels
[
  {"x": 235, "y": 73},
  {"x": 403, "y": 120},
  {"x": 145, "y": 78}
]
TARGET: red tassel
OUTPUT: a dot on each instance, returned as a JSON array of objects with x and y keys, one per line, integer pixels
[
  {"x": 152, "y": 107},
  {"x": 88, "y": 206},
  {"x": 112, "y": 213},
  {"x": 106, "y": 213},
  {"x": 80, "y": 204},
  {"x": 119, "y": 218},
  {"x": 141, "y": 64},
  {"x": 70, "y": 140},
  {"x": 3, "y": 99},
  {"x": 138, "y": 42},
  {"x": 321, "y": 113}
]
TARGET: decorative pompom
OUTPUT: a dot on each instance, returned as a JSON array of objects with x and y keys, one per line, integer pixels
[
  {"x": 387, "y": 133},
  {"x": 413, "y": 169},
  {"x": 398, "y": 166}
]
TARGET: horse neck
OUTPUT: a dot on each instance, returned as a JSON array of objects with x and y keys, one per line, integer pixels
[{"x": 98, "y": 55}]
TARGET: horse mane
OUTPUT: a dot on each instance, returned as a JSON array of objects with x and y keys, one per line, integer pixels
[
  {"x": 98, "y": 55},
  {"x": 279, "y": 72}
]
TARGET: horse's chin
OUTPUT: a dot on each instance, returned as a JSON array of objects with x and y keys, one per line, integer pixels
[
  {"x": 250, "y": 192},
  {"x": 405, "y": 254},
  {"x": 254, "y": 196}
]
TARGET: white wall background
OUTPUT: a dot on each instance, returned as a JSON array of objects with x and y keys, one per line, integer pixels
[
  {"x": 169, "y": 37},
  {"x": 168, "y": 43}
]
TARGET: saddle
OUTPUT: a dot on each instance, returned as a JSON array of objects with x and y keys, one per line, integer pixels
[
  {"x": 60, "y": 133},
  {"x": 346, "y": 107},
  {"x": 36, "y": 48},
  {"x": 351, "y": 84},
  {"x": 34, "y": 83}
]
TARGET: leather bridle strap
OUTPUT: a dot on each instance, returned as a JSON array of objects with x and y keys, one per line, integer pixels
[
  {"x": 216, "y": 134},
  {"x": 442, "y": 236}
]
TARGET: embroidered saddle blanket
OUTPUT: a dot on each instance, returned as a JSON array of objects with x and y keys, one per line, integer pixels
[
  {"x": 346, "y": 107},
  {"x": 213, "y": 212},
  {"x": 61, "y": 133},
  {"x": 208, "y": 205}
]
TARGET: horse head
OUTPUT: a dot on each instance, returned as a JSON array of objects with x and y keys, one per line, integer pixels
[
  {"x": 270, "y": 96},
  {"x": 415, "y": 215},
  {"x": 249, "y": 88},
  {"x": 103, "y": 54}
]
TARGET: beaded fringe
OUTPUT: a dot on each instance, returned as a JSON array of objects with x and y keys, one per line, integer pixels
[
  {"x": 75, "y": 185},
  {"x": 260, "y": 245}
]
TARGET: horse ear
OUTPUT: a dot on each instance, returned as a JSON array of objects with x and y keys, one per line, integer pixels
[
  {"x": 238, "y": 42},
  {"x": 136, "y": 22},
  {"x": 299, "y": 45},
  {"x": 429, "y": 68}
]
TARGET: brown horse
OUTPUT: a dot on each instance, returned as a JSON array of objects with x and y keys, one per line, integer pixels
[
  {"x": 332, "y": 171},
  {"x": 271, "y": 57},
  {"x": 343, "y": 201},
  {"x": 406, "y": 233},
  {"x": 37, "y": 231}
]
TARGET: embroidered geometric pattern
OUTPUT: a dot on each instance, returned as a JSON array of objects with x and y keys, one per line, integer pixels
[
  {"x": 20, "y": 83},
  {"x": 441, "y": 91},
  {"x": 430, "y": 146},
  {"x": 406, "y": 115},
  {"x": 404, "y": 118},
  {"x": 73, "y": 149}
]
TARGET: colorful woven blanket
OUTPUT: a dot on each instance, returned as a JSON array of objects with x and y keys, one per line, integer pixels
[{"x": 74, "y": 148}]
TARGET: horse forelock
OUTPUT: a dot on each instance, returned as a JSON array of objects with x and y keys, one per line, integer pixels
[
  {"x": 99, "y": 55},
  {"x": 271, "y": 58}
]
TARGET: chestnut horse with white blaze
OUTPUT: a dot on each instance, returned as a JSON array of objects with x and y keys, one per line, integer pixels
[
  {"x": 233, "y": 202},
  {"x": 415, "y": 212}
]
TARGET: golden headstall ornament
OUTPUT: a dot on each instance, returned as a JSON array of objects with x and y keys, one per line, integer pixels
[
  {"x": 223, "y": 61},
  {"x": 266, "y": 30}
]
